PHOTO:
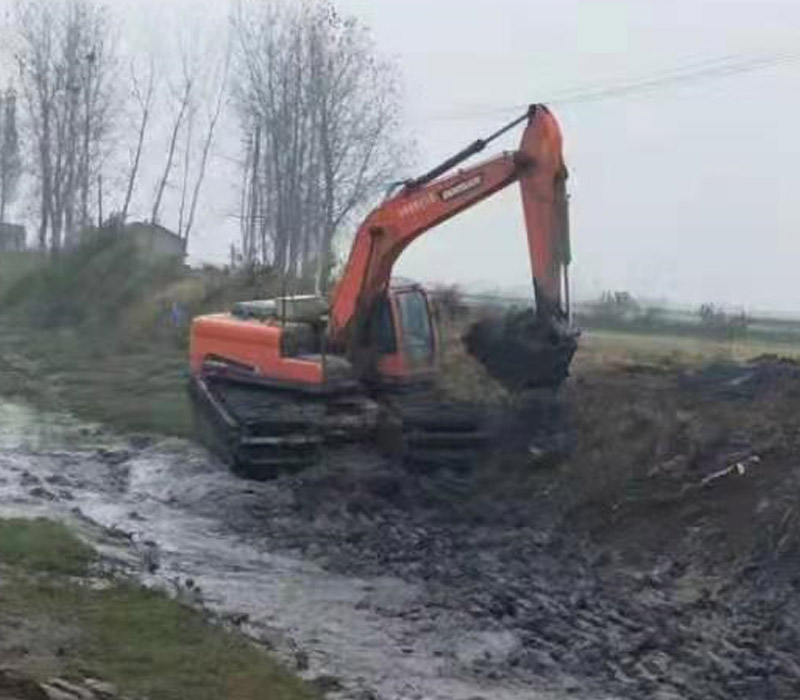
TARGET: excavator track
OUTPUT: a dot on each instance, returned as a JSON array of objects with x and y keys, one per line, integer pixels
[
  {"x": 437, "y": 432},
  {"x": 262, "y": 432}
]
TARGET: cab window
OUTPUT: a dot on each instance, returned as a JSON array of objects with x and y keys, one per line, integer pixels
[
  {"x": 380, "y": 330},
  {"x": 416, "y": 325}
]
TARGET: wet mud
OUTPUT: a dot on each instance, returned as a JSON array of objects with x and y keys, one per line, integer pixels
[{"x": 656, "y": 556}]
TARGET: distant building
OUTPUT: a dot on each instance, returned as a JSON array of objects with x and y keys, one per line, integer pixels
[
  {"x": 154, "y": 241},
  {"x": 12, "y": 238}
]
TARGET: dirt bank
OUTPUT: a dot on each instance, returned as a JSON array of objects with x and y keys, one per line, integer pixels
[{"x": 658, "y": 560}]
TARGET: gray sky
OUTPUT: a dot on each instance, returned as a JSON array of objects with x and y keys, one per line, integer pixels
[{"x": 686, "y": 193}]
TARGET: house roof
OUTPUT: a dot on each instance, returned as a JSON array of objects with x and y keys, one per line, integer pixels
[{"x": 146, "y": 227}]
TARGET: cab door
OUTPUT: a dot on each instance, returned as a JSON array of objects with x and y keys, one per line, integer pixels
[{"x": 416, "y": 339}]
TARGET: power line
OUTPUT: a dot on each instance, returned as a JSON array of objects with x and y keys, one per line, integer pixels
[
  {"x": 709, "y": 69},
  {"x": 722, "y": 70}
]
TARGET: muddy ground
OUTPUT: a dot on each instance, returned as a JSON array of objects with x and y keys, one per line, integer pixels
[{"x": 656, "y": 558}]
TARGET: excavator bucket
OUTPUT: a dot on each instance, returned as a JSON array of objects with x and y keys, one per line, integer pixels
[{"x": 521, "y": 351}]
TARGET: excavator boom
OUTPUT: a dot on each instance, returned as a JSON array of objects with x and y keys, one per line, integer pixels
[{"x": 428, "y": 201}]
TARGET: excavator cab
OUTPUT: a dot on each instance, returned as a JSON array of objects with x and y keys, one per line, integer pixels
[{"x": 399, "y": 344}]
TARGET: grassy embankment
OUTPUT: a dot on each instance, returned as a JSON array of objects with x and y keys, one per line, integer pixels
[
  {"x": 53, "y": 623},
  {"x": 91, "y": 332}
]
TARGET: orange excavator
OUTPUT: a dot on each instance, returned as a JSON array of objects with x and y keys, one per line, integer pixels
[{"x": 274, "y": 380}]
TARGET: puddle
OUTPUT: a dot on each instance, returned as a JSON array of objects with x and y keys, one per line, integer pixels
[{"x": 25, "y": 429}]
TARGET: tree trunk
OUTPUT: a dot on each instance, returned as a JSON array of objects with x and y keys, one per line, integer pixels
[
  {"x": 100, "y": 201},
  {"x": 171, "y": 152},
  {"x": 328, "y": 227},
  {"x": 46, "y": 176},
  {"x": 209, "y": 140},
  {"x": 87, "y": 140},
  {"x": 145, "y": 102},
  {"x": 250, "y": 254}
]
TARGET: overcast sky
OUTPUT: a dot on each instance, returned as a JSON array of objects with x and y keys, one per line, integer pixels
[{"x": 688, "y": 193}]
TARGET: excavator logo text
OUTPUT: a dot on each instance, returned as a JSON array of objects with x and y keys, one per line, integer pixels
[
  {"x": 462, "y": 187},
  {"x": 415, "y": 206}
]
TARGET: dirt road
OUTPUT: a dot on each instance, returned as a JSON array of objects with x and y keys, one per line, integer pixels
[{"x": 657, "y": 561}]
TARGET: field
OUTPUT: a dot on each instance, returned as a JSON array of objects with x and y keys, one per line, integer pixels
[{"x": 602, "y": 347}]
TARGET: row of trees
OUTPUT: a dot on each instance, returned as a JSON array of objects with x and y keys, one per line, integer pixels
[
  {"x": 64, "y": 62},
  {"x": 316, "y": 111},
  {"x": 320, "y": 115},
  {"x": 622, "y": 308}
]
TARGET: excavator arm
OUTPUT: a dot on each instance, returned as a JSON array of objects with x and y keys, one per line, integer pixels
[{"x": 424, "y": 203}]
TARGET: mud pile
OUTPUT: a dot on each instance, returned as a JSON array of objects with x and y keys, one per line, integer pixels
[
  {"x": 658, "y": 559},
  {"x": 520, "y": 351}
]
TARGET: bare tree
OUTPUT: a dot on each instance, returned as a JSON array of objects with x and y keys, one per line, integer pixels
[
  {"x": 37, "y": 73},
  {"x": 252, "y": 246},
  {"x": 144, "y": 101},
  {"x": 66, "y": 63},
  {"x": 184, "y": 98},
  {"x": 327, "y": 110},
  {"x": 201, "y": 101},
  {"x": 10, "y": 162},
  {"x": 355, "y": 98},
  {"x": 208, "y": 140},
  {"x": 188, "y": 151}
]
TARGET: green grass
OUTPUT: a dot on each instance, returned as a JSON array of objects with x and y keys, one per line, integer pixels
[
  {"x": 15, "y": 267},
  {"x": 43, "y": 546},
  {"x": 89, "y": 332},
  {"x": 150, "y": 646},
  {"x": 140, "y": 389},
  {"x": 132, "y": 392},
  {"x": 141, "y": 641}
]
